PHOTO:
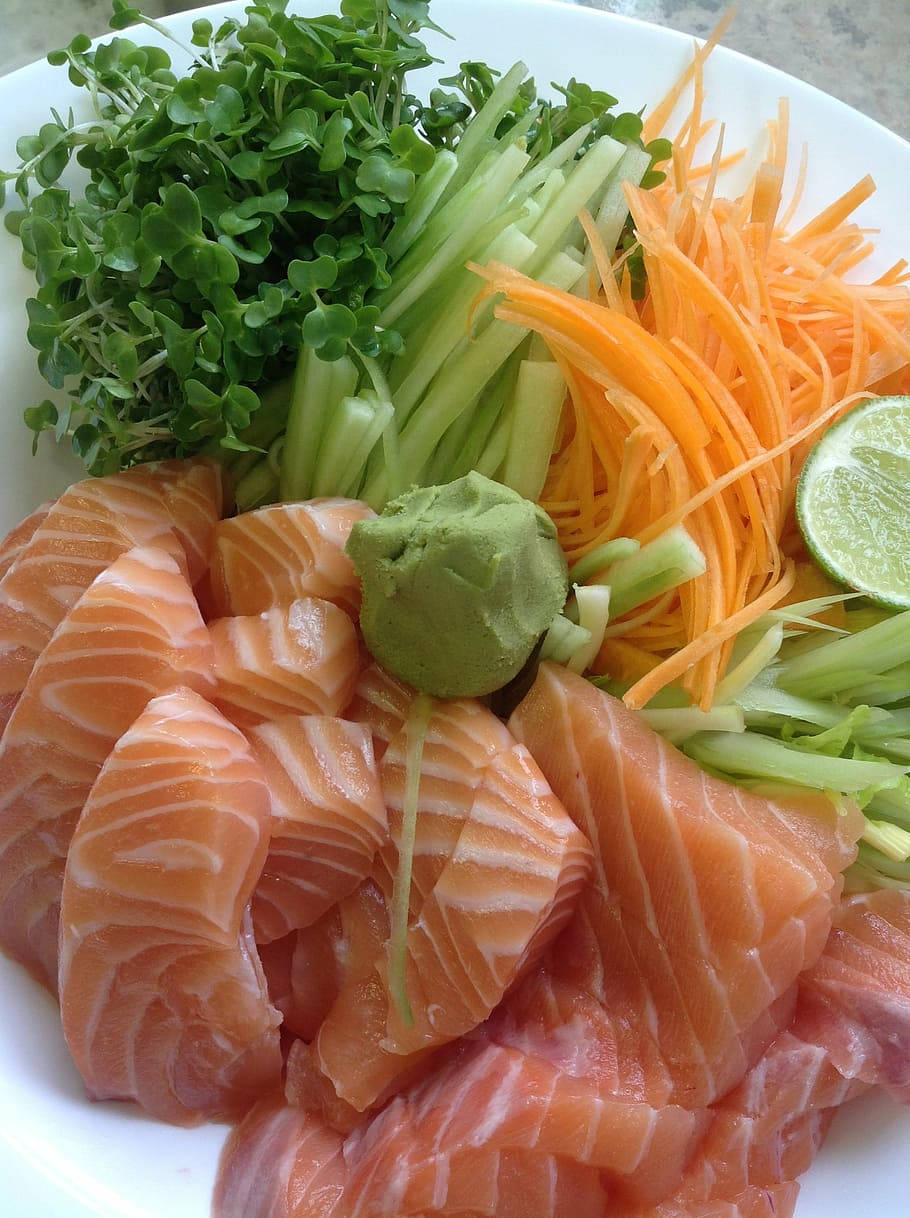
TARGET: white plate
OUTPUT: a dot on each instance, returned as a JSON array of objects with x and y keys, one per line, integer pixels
[{"x": 62, "y": 1157}]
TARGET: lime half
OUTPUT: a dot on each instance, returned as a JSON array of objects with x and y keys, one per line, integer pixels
[{"x": 853, "y": 501}]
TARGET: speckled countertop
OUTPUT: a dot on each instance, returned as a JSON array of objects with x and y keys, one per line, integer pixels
[{"x": 857, "y": 51}]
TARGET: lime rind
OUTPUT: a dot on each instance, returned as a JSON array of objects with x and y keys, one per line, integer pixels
[{"x": 853, "y": 501}]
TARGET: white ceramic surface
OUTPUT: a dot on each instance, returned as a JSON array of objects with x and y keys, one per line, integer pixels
[{"x": 63, "y": 1157}]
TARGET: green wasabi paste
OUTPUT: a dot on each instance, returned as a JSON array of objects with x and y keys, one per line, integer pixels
[{"x": 459, "y": 583}]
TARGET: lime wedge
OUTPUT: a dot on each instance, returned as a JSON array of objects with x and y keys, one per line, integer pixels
[{"x": 853, "y": 501}]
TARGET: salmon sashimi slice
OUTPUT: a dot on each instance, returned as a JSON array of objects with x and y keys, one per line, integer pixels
[
  {"x": 89, "y": 526},
  {"x": 162, "y": 996},
  {"x": 508, "y": 888},
  {"x": 135, "y": 632},
  {"x": 497, "y": 868},
  {"x": 18, "y": 538},
  {"x": 280, "y": 1162},
  {"x": 491, "y": 1098},
  {"x": 281, "y": 553},
  {"x": 301, "y": 659},
  {"x": 328, "y": 818},
  {"x": 305, "y": 970},
  {"x": 381, "y": 703},
  {"x": 763, "y": 1135},
  {"x": 706, "y": 903},
  {"x": 855, "y": 1001}
]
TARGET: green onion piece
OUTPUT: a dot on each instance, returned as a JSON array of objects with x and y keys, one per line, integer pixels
[{"x": 416, "y": 728}]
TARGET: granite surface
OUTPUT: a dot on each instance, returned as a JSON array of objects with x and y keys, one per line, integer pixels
[{"x": 856, "y": 51}]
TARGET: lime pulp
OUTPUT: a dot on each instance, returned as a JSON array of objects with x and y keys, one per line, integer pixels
[{"x": 853, "y": 501}]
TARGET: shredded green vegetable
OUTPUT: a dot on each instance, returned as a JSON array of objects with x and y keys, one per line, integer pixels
[{"x": 416, "y": 727}]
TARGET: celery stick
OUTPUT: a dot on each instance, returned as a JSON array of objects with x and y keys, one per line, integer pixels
[
  {"x": 750, "y": 755},
  {"x": 449, "y": 327},
  {"x": 318, "y": 387},
  {"x": 462, "y": 446},
  {"x": 458, "y": 385},
  {"x": 747, "y": 669},
  {"x": 892, "y": 804},
  {"x": 678, "y": 723},
  {"x": 583, "y": 183},
  {"x": 270, "y": 419},
  {"x": 593, "y": 602},
  {"x": 874, "y": 870},
  {"x": 850, "y": 661},
  {"x": 479, "y": 134},
  {"x": 421, "y": 205},
  {"x": 543, "y": 197},
  {"x": 257, "y": 487},
  {"x": 804, "y": 613},
  {"x": 563, "y": 639},
  {"x": 767, "y": 706},
  {"x": 354, "y": 428},
  {"x": 598, "y": 560},
  {"x": 494, "y": 451},
  {"x": 613, "y": 210},
  {"x": 661, "y": 565},
  {"x": 537, "y": 401},
  {"x": 416, "y": 728},
  {"x": 448, "y": 237},
  {"x": 560, "y": 155},
  {"x": 890, "y": 840}
]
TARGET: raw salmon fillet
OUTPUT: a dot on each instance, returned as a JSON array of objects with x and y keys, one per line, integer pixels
[
  {"x": 18, "y": 538},
  {"x": 490, "y": 1098},
  {"x": 706, "y": 903},
  {"x": 283, "y": 1163},
  {"x": 162, "y": 995},
  {"x": 304, "y": 971},
  {"x": 89, "y": 526},
  {"x": 497, "y": 869},
  {"x": 855, "y": 1002},
  {"x": 328, "y": 818},
  {"x": 300, "y": 659},
  {"x": 278, "y": 554},
  {"x": 280, "y": 1162},
  {"x": 134, "y": 633},
  {"x": 381, "y": 703}
]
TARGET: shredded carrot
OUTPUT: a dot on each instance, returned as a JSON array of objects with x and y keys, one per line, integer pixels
[{"x": 699, "y": 404}]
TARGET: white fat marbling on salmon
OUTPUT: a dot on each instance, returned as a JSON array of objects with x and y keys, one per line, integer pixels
[
  {"x": 328, "y": 818},
  {"x": 135, "y": 632},
  {"x": 162, "y": 995},
  {"x": 298, "y": 659}
]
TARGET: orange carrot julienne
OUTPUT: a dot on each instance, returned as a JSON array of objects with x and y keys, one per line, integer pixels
[{"x": 698, "y": 404}]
